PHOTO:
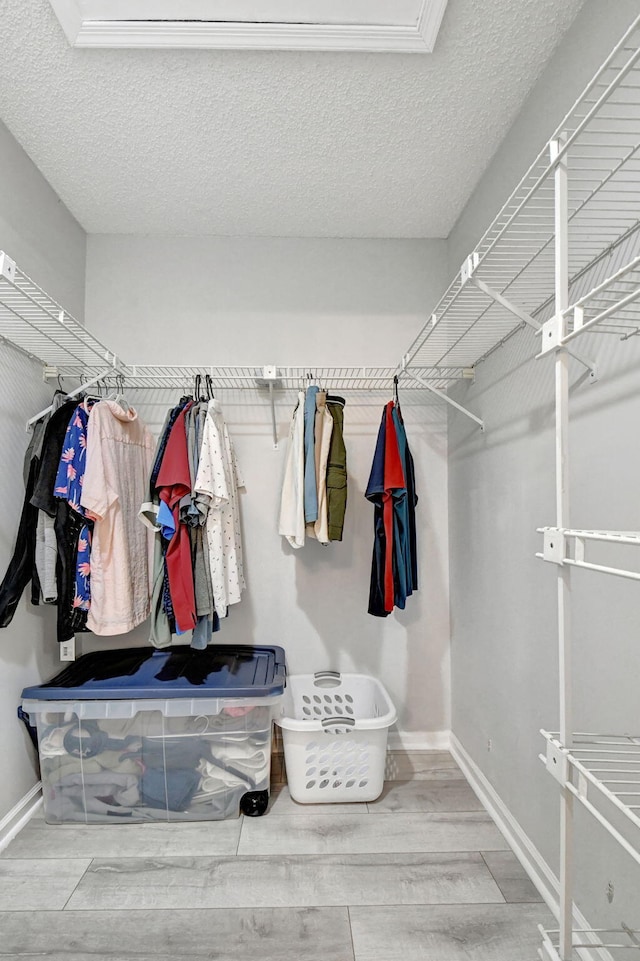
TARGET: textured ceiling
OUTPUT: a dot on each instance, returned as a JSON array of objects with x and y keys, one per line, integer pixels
[{"x": 273, "y": 144}]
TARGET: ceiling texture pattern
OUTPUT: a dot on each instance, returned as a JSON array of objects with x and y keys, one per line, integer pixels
[{"x": 273, "y": 143}]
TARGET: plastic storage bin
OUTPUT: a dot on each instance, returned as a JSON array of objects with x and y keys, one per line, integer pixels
[
  {"x": 334, "y": 730},
  {"x": 171, "y": 735}
]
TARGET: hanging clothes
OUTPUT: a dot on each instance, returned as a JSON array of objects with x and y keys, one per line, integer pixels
[
  {"x": 220, "y": 480},
  {"x": 46, "y": 558},
  {"x": 173, "y": 484},
  {"x": 46, "y": 542},
  {"x": 292, "y": 524},
  {"x": 393, "y": 567},
  {"x": 310, "y": 482},
  {"x": 322, "y": 443},
  {"x": 22, "y": 567},
  {"x": 119, "y": 454},
  {"x": 329, "y": 471},
  {"x": 68, "y": 486},
  {"x": 67, "y": 523},
  {"x": 336, "y": 470},
  {"x": 161, "y": 628},
  {"x": 406, "y": 566}
]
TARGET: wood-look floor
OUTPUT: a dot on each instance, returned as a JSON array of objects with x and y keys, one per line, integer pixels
[{"x": 421, "y": 874}]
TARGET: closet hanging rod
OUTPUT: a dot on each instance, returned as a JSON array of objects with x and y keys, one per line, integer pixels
[{"x": 140, "y": 376}]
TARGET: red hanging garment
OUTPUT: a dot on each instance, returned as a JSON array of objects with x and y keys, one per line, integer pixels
[
  {"x": 393, "y": 480},
  {"x": 174, "y": 481}
]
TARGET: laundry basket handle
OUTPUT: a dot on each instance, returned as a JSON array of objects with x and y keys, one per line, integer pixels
[
  {"x": 326, "y": 676},
  {"x": 336, "y": 720}
]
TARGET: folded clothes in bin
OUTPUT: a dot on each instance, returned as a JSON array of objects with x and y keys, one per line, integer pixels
[
  {"x": 167, "y": 739},
  {"x": 172, "y": 788}
]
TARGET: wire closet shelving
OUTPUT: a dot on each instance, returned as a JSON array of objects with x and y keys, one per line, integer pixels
[
  {"x": 554, "y": 259},
  {"x": 563, "y": 258}
]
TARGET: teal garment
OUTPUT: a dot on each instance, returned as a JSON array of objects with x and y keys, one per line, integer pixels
[
  {"x": 401, "y": 547},
  {"x": 310, "y": 484}
]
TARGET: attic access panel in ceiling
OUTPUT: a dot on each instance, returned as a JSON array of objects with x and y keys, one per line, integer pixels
[{"x": 397, "y": 26}]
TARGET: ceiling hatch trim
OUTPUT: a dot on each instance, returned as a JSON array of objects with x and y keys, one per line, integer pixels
[{"x": 83, "y": 30}]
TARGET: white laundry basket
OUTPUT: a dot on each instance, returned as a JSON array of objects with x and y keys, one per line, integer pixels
[{"x": 334, "y": 729}]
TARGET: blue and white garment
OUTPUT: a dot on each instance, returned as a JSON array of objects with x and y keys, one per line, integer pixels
[{"x": 68, "y": 487}]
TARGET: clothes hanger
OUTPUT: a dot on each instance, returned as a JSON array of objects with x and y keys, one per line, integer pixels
[
  {"x": 117, "y": 395},
  {"x": 96, "y": 393},
  {"x": 209, "y": 385},
  {"x": 396, "y": 398}
]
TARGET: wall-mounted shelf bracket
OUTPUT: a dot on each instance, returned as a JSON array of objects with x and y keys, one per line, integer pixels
[
  {"x": 7, "y": 267},
  {"x": 557, "y": 542},
  {"x": 554, "y": 333},
  {"x": 505, "y": 302},
  {"x": 445, "y": 397},
  {"x": 271, "y": 379},
  {"x": 554, "y": 546},
  {"x": 72, "y": 393},
  {"x": 469, "y": 266},
  {"x": 556, "y": 761}
]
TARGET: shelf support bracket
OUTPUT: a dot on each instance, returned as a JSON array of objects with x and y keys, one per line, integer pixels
[
  {"x": 445, "y": 397},
  {"x": 505, "y": 302},
  {"x": 274, "y": 425},
  {"x": 557, "y": 762},
  {"x": 71, "y": 394}
]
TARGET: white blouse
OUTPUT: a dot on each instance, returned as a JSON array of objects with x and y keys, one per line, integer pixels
[
  {"x": 220, "y": 479},
  {"x": 291, "y": 524}
]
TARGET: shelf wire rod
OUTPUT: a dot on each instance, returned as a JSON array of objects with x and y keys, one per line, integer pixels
[
  {"x": 38, "y": 331},
  {"x": 69, "y": 328},
  {"x": 619, "y": 837},
  {"x": 630, "y": 298},
  {"x": 526, "y": 265},
  {"x": 569, "y": 140},
  {"x": 632, "y": 265}
]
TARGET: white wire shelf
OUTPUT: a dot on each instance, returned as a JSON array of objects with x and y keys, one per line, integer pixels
[
  {"x": 283, "y": 378},
  {"x": 599, "y": 768},
  {"x": 615, "y": 944},
  {"x": 611, "y": 306},
  {"x": 40, "y": 328},
  {"x": 600, "y": 139},
  {"x": 563, "y": 546}
]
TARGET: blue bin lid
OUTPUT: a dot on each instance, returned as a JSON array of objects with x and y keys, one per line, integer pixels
[{"x": 141, "y": 672}]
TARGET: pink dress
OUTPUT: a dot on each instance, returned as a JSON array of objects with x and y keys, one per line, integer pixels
[{"x": 120, "y": 451}]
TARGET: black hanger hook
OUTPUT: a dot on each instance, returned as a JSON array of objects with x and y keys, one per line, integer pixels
[{"x": 396, "y": 399}]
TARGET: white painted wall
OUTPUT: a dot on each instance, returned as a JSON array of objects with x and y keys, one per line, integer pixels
[
  {"x": 313, "y": 302},
  {"x": 501, "y": 488},
  {"x": 503, "y": 599},
  {"x": 47, "y": 243}
]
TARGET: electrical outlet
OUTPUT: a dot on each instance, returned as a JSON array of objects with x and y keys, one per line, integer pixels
[
  {"x": 489, "y": 744},
  {"x": 68, "y": 650}
]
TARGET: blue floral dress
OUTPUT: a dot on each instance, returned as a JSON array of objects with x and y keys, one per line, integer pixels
[{"x": 68, "y": 487}]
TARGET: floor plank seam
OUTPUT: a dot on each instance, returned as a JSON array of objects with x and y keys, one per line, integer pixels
[
  {"x": 91, "y": 860},
  {"x": 353, "y": 946}
]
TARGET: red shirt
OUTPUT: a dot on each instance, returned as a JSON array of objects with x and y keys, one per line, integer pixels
[
  {"x": 174, "y": 481},
  {"x": 393, "y": 480}
]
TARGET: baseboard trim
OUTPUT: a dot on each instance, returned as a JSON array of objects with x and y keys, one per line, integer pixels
[
  {"x": 418, "y": 740},
  {"x": 17, "y": 817},
  {"x": 523, "y": 847}
]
